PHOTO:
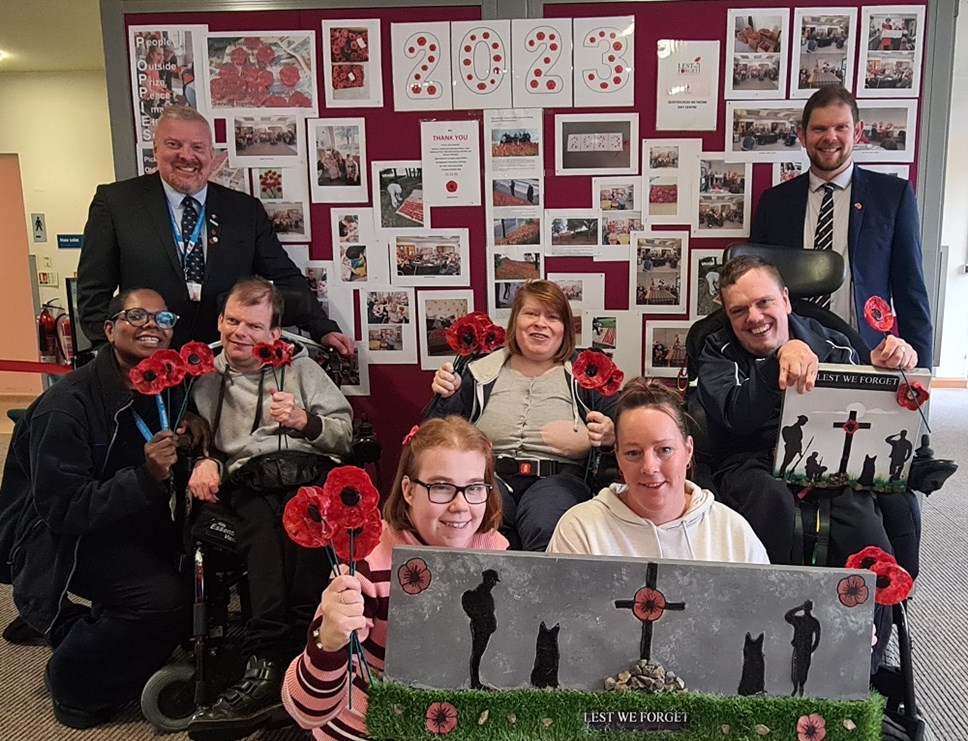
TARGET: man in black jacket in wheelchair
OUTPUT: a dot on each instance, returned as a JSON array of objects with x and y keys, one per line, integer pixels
[
  {"x": 743, "y": 372},
  {"x": 271, "y": 439}
]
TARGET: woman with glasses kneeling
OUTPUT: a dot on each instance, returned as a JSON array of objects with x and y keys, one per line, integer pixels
[
  {"x": 443, "y": 496},
  {"x": 542, "y": 423},
  {"x": 655, "y": 511}
]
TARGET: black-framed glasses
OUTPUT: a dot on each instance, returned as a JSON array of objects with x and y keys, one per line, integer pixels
[
  {"x": 140, "y": 317},
  {"x": 440, "y": 493}
]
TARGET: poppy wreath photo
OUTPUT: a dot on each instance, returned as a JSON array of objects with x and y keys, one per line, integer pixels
[{"x": 414, "y": 576}]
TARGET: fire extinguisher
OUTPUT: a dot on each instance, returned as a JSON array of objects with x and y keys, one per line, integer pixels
[
  {"x": 65, "y": 343},
  {"x": 47, "y": 334}
]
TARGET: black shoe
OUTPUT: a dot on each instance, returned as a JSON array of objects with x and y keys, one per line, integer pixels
[
  {"x": 77, "y": 718},
  {"x": 252, "y": 703},
  {"x": 20, "y": 633}
]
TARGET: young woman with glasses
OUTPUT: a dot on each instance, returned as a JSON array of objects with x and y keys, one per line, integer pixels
[{"x": 443, "y": 496}]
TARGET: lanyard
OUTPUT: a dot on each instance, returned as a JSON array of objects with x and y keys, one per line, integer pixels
[
  {"x": 162, "y": 417},
  {"x": 193, "y": 241}
]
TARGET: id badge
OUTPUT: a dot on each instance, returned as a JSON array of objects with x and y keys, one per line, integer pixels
[{"x": 194, "y": 291}]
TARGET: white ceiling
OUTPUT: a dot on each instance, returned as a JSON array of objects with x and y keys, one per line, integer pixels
[{"x": 50, "y": 35}]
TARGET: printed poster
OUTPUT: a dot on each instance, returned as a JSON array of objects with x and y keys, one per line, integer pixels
[
  {"x": 688, "y": 86},
  {"x": 451, "y": 162}
]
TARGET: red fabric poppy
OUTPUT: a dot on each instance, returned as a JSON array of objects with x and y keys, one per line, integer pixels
[
  {"x": 852, "y": 591},
  {"x": 492, "y": 337},
  {"x": 305, "y": 518},
  {"x": 613, "y": 384},
  {"x": 352, "y": 496},
  {"x": 366, "y": 537},
  {"x": 464, "y": 335},
  {"x": 811, "y": 728},
  {"x": 175, "y": 368},
  {"x": 441, "y": 718},
  {"x": 281, "y": 354},
  {"x": 592, "y": 369},
  {"x": 851, "y": 426},
  {"x": 912, "y": 396},
  {"x": 263, "y": 351},
  {"x": 893, "y": 583},
  {"x": 649, "y": 604},
  {"x": 198, "y": 357},
  {"x": 867, "y": 557},
  {"x": 148, "y": 376},
  {"x": 878, "y": 314},
  {"x": 414, "y": 576}
]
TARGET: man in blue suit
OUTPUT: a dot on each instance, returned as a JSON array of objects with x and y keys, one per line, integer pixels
[
  {"x": 138, "y": 234},
  {"x": 874, "y": 221}
]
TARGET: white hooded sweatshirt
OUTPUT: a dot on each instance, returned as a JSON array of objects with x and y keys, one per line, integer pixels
[{"x": 707, "y": 531}]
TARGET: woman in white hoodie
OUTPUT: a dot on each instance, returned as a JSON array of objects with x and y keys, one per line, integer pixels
[{"x": 655, "y": 512}]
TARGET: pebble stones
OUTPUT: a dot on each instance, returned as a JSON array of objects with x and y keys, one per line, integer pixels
[{"x": 647, "y": 677}]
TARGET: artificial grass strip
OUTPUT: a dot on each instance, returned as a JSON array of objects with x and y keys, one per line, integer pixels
[{"x": 398, "y": 713}]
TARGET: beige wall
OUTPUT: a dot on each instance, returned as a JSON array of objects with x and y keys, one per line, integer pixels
[
  {"x": 58, "y": 125},
  {"x": 17, "y": 330}
]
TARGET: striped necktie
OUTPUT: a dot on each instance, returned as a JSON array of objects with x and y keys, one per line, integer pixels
[
  {"x": 823, "y": 237},
  {"x": 194, "y": 260}
]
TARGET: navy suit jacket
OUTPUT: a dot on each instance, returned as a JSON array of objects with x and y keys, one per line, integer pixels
[
  {"x": 883, "y": 247},
  {"x": 128, "y": 243}
]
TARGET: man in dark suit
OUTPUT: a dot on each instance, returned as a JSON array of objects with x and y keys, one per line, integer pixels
[
  {"x": 186, "y": 238},
  {"x": 873, "y": 223}
]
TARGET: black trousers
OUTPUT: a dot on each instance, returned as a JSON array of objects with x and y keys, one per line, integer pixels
[
  {"x": 286, "y": 581},
  {"x": 770, "y": 506},
  {"x": 140, "y": 611}
]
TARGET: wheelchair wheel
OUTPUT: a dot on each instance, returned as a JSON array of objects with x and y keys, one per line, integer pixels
[{"x": 168, "y": 699}]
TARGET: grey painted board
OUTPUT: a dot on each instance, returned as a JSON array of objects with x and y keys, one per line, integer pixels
[{"x": 429, "y": 641}]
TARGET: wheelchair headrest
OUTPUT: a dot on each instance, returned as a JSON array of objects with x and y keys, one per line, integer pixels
[{"x": 805, "y": 272}]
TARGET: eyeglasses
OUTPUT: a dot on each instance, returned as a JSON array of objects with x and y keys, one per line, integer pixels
[
  {"x": 445, "y": 493},
  {"x": 140, "y": 317}
]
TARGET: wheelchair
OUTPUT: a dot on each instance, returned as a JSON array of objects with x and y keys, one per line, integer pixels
[
  {"x": 174, "y": 692},
  {"x": 812, "y": 273}
]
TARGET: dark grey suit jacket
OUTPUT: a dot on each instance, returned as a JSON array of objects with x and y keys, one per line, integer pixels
[{"x": 128, "y": 243}]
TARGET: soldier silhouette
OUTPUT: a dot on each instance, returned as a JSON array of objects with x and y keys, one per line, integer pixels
[{"x": 478, "y": 603}]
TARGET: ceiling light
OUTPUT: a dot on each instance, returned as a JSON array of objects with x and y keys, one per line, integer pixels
[{"x": 3, "y": 55}]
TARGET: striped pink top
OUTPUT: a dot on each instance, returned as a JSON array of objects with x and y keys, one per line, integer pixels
[{"x": 315, "y": 688}]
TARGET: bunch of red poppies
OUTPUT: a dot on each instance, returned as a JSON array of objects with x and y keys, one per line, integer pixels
[
  {"x": 347, "y": 45},
  {"x": 270, "y": 181},
  {"x": 166, "y": 369},
  {"x": 474, "y": 334},
  {"x": 593, "y": 369},
  {"x": 275, "y": 354},
  {"x": 347, "y": 76},
  {"x": 663, "y": 194},
  {"x": 343, "y": 517},
  {"x": 893, "y": 581}
]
